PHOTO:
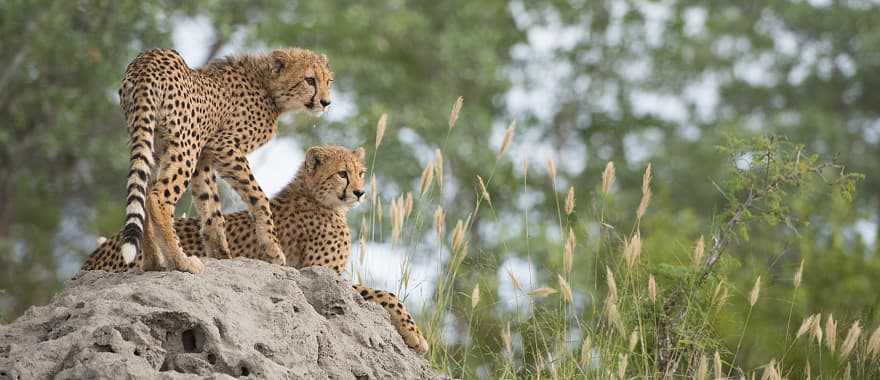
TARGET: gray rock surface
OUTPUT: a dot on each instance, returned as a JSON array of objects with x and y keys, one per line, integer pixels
[{"x": 240, "y": 318}]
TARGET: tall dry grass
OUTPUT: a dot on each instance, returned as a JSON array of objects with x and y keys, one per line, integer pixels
[{"x": 630, "y": 328}]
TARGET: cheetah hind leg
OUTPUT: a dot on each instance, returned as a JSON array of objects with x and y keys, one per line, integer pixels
[
  {"x": 168, "y": 245},
  {"x": 153, "y": 260},
  {"x": 400, "y": 317}
]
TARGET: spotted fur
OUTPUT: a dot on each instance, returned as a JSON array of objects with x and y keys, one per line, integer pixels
[
  {"x": 310, "y": 215},
  {"x": 186, "y": 124}
]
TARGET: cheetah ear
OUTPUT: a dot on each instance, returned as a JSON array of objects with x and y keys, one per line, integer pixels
[
  {"x": 359, "y": 153},
  {"x": 278, "y": 61},
  {"x": 314, "y": 156},
  {"x": 278, "y": 65}
]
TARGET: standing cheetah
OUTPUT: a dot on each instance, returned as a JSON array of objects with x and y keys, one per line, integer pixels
[
  {"x": 198, "y": 121},
  {"x": 310, "y": 214}
]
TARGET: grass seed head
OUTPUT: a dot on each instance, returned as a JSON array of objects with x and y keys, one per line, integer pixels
[
  {"x": 621, "y": 366},
  {"x": 852, "y": 338},
  {"x": 438, "y": 168},
  {"x": 719, "y": 370},
  {"x": 565, "y": 289},
  {"x": 439, "y": 222},
  {"x": 830, "y": 333},
  {"x": 756, "y": 291},
  {"x": 483, "y": 190},
  {"x": 612, "y": 284},
  {"x": 643, "y": 205},
  {"x": 613, "y": 315},
  {"x": 456, "y": 108},
  {"x": 633, "y": 340},
  {"x": 397, "y": 212},
  {"x": 427, "y": 177},
  {"x": 608, "y": 177},
  {"x": 542, "y": 292},
  {"x": 720, "y": 295},
  {"x": 805, "y": 326},
  {"x": 586, "y": 351},
  {"x": 457, "y": 235},
  {"x": 771, "y": 372},
  {"x": 652, "y": 289},
  {"x": 646, "y": 193},
  {"x": 409, "y": 204},
  {"x": 816, "y": 329},
  {"x": 465, "y": 248},
  {"x": 475, "y": 296},
  {"x": 799, "y": 275},
  {"x": 380, "y": 129},
  {"x": 703, "y": 368},
  {"x": 568, "y": 252},
  {"x": 646, "y": 180},
  {"x": 551, "y": 169},
  {"x": 633, "y": 250},
  {"x": 873, "y": 349},
  {"x": 505, "y": 142},
  {"x": 569, "y": 201},
  {"x": 699, "y": 251},
  {"x": 515, "y": 281}
]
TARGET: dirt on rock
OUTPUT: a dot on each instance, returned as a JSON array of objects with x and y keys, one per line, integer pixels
[{"x": 240, "y": 318}]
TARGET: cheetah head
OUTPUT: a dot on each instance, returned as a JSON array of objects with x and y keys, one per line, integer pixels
[
  {"x": 335, "y": 175},
  {"x": 300, "y": 81}
]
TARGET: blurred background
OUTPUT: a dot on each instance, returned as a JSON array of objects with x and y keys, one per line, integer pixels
[{"x": 586, "y": 82}]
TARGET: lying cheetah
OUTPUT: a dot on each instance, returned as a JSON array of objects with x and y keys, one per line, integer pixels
[
  {"x": 190, "y": 123},
  {"x": 310, "y": 215}
]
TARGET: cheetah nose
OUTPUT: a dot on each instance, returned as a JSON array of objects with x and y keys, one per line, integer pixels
[
  {"x": 358, "y": 193},
  {"x": 325, "y": 103}
]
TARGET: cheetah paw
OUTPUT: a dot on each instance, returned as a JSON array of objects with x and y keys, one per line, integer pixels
[
  {"x": 218, "y": 249},
  {"x": 194, "y": 265},
  {"x": 275, "y": 254},
  {"x": 216, "y": 245}
]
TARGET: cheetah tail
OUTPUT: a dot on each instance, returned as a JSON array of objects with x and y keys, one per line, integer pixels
[{"x": 141, "y": 122}]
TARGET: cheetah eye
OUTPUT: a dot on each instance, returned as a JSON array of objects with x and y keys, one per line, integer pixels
[
  {"x": 362, "y": 174},
  {"x": 310, "y": 81},
  {"x": 343, "y": 174}
]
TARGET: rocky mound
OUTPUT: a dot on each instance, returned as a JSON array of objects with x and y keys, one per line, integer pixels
[{"x": 240, "y": 318}]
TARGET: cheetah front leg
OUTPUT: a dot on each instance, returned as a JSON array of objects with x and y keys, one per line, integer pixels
[
  {"x": 234, "y": 167},
  {"x": 400, "y": 318},
  {"x": 207, "y": 200}
]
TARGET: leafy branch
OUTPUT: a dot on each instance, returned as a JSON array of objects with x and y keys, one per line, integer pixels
[{"x": 768, "y": 170}]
